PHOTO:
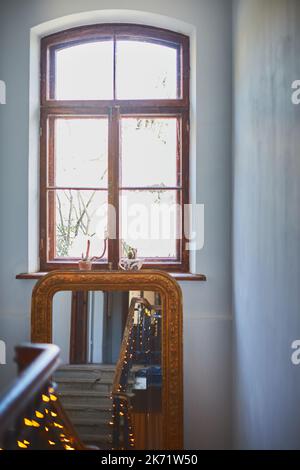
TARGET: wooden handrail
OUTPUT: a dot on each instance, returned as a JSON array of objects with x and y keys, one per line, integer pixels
[
  {"x": 121, "y": 399},
  {"x": 126, "y": 336},
  {"x": 36, "y": 364}
]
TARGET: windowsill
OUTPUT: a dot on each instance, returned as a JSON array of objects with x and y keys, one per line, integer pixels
[{"x": 177, "y": 276}]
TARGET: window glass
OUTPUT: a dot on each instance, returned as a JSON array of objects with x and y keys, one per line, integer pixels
[
  {"x": 81, "y": 152},
  {"x": 79, "y": 216},
  {"x": 146, "y": 70},
  {"x": 148, "y": 151},
  {"x": 84, "y": 72},
  {"x": 149, "y": 222}
]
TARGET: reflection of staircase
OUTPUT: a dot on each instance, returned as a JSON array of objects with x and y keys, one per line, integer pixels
[
  {"x": 84, "y": 391},
  {"x": 136, "y": 403}
]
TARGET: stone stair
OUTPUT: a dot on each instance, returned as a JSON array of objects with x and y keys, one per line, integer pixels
[{"x": 84, "y": 392}]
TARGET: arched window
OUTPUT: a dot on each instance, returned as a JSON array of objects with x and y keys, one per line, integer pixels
[{"x": 114, "y": 133}]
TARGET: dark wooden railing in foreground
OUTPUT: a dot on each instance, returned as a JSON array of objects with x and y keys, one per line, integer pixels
[{"x": 31, "y": 416}]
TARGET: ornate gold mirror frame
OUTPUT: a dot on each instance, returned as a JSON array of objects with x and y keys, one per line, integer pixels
[{"x": 168, "y": 288}]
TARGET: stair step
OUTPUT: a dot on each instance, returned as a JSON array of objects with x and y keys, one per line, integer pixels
[
  {"x": 88, "y": 410},
  {"x": 104, "y": 412},
  {"x": 93, "y": 422},
  {"x": 86, "y": 393},
  {"x": 103, "y": 371},
  {"x": 102, "y": 441},
  {"x": 84, "y": 427},
  {"x": 94, "y": 366},
  {"x": 86, "y": 407},
  {"x": 92, "y": 429},
  {"x": 96, "y": 438},
  {"x": 83, "y": 380},
  {"x": 88, "y": 397},
  {"x": 79, "y": 383}
]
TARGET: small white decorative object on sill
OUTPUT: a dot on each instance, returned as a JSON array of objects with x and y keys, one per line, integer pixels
[{"x": 130, "y": 262}]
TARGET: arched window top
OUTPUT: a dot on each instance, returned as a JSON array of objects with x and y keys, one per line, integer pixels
[{"x": 116, "y": 62}]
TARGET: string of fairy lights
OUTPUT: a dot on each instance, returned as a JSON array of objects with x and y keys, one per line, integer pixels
[
  {"x": 121, "y": 421},
  {"x": 121, "y": 417},
  {"x": 43, "y": 428}
]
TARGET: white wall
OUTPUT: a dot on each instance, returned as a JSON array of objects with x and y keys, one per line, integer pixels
[
  {"x": 266, "y": 224},
  {"x": 96, "y": 314},
  {"x": 61, "y": 323},
  {"x": 207, "y": 306}
]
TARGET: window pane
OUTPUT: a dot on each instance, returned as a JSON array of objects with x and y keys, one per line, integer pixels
[
  {"x": 149, "y": 148},
  {"x": 85, "y": 72},
  {"x": 150, "y": 222},
  {"x": 79, "y": 216},
  {"x": 146, "y": 71},
  {"x": 81, "y": 149}
]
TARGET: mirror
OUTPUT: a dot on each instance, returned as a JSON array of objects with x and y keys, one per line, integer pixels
[
  {"x": 110, "y": 346},
  {"x": 120, "y": 380}
]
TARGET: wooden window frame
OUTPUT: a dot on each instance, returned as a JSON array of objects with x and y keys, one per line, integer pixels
[{"x": 111, "y": 109}]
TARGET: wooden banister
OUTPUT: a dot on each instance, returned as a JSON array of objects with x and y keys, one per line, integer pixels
[
  {"x": 36, "y": 363},
  {"x": 121, "y": 398},
  {"x": 125, "y": 340}
]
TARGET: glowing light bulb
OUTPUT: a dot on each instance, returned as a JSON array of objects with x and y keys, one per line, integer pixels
[
  {"x": 58, "y": 425},
  {"x": 35, "y": 424},
  {"x": 22, "y": 445}
]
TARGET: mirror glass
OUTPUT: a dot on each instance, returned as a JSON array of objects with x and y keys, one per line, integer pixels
[{"x": 110, "y": 379}]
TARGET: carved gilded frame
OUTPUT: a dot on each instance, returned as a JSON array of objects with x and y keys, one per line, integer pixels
[{"x": 41, "y": 327}]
